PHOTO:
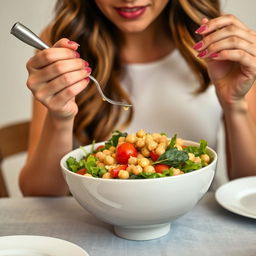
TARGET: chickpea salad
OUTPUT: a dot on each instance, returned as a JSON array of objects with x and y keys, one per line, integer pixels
[{"x": 140, "y": 156}]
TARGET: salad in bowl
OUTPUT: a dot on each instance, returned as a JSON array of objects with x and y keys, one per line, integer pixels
[{"x": 140, "y": 156}]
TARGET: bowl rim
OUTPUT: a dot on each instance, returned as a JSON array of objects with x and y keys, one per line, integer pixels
[{"x": 66, "y": 170}]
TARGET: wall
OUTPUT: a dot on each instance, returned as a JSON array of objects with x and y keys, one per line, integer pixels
[{"x": 15, "y": 98}]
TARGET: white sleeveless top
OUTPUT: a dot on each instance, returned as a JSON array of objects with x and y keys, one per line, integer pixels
[{"x": 163, "y": 100}]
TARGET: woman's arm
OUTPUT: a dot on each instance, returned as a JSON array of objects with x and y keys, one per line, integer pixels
[
  {"x": 240, "y": 123},
  {"x": 49, "y": 140},
  {"x": 56, "y": 76},
  {"x": 229, "y": 48}
]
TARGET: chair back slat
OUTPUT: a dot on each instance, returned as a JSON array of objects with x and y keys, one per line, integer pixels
[{"x": 13, "y": 140}]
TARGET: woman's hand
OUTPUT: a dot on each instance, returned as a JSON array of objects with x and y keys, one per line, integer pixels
[
  {"x": 56, "y": 76},
  {"x": 229, "y": 48}
]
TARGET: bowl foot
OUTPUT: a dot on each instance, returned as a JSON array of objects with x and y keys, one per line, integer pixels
[{"x": 145, "y": 232}]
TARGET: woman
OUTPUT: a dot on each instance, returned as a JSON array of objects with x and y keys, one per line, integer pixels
[{"x": 165, "y": 54}]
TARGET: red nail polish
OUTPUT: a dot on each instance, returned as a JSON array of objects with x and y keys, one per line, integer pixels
[
  {"x": 86, "y": 64},
  {"x": 198, "y": 45},
  {"x": 88, "y": 70},
  {"x": 73, "y": 43},
  {"x": 201, "y": 29},
  {"x": 87, "y": 79},
  {"x": 214, "y": 55},
  {"x": 77, "y": 55},
  {"x": 202, "y": 53}
]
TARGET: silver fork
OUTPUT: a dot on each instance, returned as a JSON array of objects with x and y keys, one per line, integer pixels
[{"x": 28, "y": 37}]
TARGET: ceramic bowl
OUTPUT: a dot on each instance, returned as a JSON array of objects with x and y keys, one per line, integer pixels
[{"x": 139, "y": 209}]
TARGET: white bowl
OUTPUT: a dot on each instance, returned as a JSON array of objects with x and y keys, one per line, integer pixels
[{"x": 139, "y": 209}]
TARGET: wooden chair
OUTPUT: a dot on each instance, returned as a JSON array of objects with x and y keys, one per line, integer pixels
[{"x": 13, "y": 140}]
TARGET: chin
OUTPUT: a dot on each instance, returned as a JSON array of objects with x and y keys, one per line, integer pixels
[{"x": 133, "y": 28}]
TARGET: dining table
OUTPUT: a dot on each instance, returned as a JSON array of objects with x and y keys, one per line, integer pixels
[{"x": 208, "y": 229}]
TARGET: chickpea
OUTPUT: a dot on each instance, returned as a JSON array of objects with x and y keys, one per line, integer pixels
[
  {"x": 132, "y": 160},
  {"x": 149, "y": 169},
  {"x": 197, "y": 160},
  {"x": 156, "y": 136},
  {"x": 140, "y": 133},
  {"x": 137, "y": 170},
  {"x": 123, "y": 174},
  {"x": 179, "y": 141},
  {"x": 88, "y": 175},
  {"x": 140, "y": 143},
  {"x": 131, "y": 138},
  {"x": 160, "y": 150},
  {"x": 152, "y": 145},
  {"x": 101, "y": 156},
  {"x": 109, "y": 160},
  {"x": 112, "y": 149},
  {"x": 205, "y": 158},
  {"x": 191, "y": 156},
  {"x": 163, "y": 144},
  {"x": 148, "y": 138},
  {"x": 163, "y": 139},
  {"x": 177, "y": 171},
  {"x": 130, "y": 168},
  {"x": 143, "y": 162},
  {"x": 121, "y": 140},
  {"x": 145, "y": 152},
  {"x": 106, "y": 152},
  {"x": 107, "y": 175}
]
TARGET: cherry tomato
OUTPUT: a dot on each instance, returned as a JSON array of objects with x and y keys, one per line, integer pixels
[
  {"x": 161, "y": 167},
  {"x": 81, "y": 171},
  {"x": 154, "y": 156},
  {"x": 124, "y": 151},
  {"x": 114, "y": 172}
]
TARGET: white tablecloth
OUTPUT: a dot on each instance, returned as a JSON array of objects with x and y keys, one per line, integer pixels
[{"x": 207, "y": 230}]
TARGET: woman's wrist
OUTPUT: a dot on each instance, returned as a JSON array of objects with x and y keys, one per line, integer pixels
[
  {"x": 60, "y": 124},
  {"x": 237, "y": 107}
]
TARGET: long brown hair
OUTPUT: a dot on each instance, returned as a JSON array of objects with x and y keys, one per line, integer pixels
[{"x": 82, "y": 21}]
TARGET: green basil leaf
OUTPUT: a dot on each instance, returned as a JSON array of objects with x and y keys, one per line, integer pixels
[{"x": 173, "y": 157}]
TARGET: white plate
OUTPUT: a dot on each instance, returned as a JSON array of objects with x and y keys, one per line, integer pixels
[
  {"x": 239, "y": 196},
  {"x": 38, "y": 246}
]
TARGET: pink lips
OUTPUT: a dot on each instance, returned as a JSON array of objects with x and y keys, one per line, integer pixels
[{"x": 131, "y": 12}]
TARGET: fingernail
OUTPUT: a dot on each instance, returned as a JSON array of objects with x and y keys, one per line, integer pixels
[
  {"x": 73, "y": 43},
  {"x": 88, "y": 70},
  {"x": 198, "y": 45},
  {"x": 86, "y": 64},
  {"x": 214, "y": 55},
  {"x": 201, "y": 29},
  {"x": 87, "y": 79},
  {"x": 77, "y": 55},
  {"x": 202, "y": 53}
]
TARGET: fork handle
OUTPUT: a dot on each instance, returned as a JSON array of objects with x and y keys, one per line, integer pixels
[{"x": 27, "y": 36}]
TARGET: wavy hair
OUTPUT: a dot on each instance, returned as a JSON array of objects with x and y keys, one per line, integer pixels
[{"x": 83, "y": 22}]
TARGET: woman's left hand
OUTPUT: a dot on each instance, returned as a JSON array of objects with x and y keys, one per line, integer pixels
[{"x": 229, "y": 48}]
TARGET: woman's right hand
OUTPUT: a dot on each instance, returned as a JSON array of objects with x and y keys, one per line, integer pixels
[{"x": 56, "y": 76}]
